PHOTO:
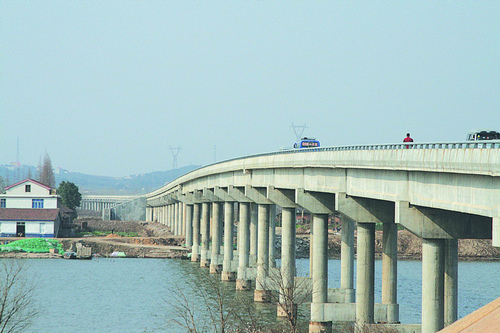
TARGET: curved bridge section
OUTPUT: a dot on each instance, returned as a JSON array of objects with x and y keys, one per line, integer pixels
[{"x": 439, "y": 191}]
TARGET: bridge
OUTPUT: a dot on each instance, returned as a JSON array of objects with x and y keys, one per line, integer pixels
[
  {"x": 440, "y": 192},
  {"x": 115, "y": 207}
]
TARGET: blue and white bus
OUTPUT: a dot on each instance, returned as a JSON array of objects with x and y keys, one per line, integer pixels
[{"x": 307, "y": 143}]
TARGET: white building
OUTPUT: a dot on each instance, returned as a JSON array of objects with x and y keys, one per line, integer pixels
[{"x": 30, "y": 209}]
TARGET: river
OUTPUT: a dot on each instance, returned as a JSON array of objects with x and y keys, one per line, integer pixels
[{"x": 137, "y": 295}]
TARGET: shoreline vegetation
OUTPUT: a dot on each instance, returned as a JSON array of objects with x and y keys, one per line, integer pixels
[{"x": 154, "y": 240}]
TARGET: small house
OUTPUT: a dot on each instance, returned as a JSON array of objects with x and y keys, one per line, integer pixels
[{"x": 30, "y": 209}]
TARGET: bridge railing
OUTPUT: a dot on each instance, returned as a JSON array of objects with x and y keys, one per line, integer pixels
[{"x": 491, "y": 144}]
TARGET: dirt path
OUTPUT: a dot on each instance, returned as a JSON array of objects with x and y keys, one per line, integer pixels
[{"x": 154, "y": 247}]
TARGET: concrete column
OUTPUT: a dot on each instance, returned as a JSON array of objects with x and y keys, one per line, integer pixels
[
  {"x": 195, "y": 252},
  {"x": 432, "y": 285},
  {"x": 177, "y": 219},
  {"x": 320, "y": 273},
  {"x": 171, "y": 211},
  {"x": 215, "y": 266},
  {"x": 242, "y": 282},
  {"x": 287, "y": 262},
  {"x": 180, "y": 219},
  {"x": 174, "y": 216},
  {"x": 450, "y": 281},
  {"x": 227, "y": 275},
  {"x": 178, "y": 207},
  {"x": 168, "y": 218},
  {"x": 262, "y": 292},
  {"x": 189, "y": 225},
  {"x": 183, "y": 218},
  {"x": 390, "y": 271},
  {"x": 253, "y": 231},
  {"x": 347, "y": 260},
  {"x": 165, "y": 217},
  {"x": 205, "y": 234},
  {"x": 365, "y": 279},
  {"x": 311, "y": 245},
  {"x": 162, "y": 215},
  {"x": 272, "y": 236}
]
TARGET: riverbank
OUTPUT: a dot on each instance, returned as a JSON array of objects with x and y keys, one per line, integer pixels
[{"x": 156, "y": 241}]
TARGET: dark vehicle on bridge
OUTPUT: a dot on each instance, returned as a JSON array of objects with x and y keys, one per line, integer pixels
[
  {"x": 483, "y": 135},
  {"x": 307, "y": 143}
]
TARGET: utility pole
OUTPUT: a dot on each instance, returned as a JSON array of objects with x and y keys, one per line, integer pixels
[{"x": 299, "y": 130}]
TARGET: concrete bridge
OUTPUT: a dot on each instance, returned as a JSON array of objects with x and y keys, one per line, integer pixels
[
  {"x": 115, "y": 207},
  {"x": 101, "y": 202},
  {"x": 441, "y": 192}
]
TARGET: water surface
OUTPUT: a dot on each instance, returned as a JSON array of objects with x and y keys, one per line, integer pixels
[{"x": 138, "y": 295}]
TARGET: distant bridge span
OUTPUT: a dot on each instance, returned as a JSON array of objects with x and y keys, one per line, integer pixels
[
  {"x": 101, "y": 202},
  {"x": 439, "y": 191}
]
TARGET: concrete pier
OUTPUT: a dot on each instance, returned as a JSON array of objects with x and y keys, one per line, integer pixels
[
  {"x": 365, "y": 278},
  {"x": 288, "y": 236},
  {"x": 432, "y": 285},
  {"x": 215, "y": 266},
  {"x": 242, "y": 282},
  {"x": 195, "y": 252},
  {"x": 450, "y": 281},
  {"x": 390, "y": 271},
  {"x": 253, "y": 232},
  {"x": 320, "y": 274},
  {"x": 205, "y": 234},
  {"x": 262, "y": 292},
  {"x": 189, "y": 225},
  {"x": 227, "y": 274},
  {"x": 272, "y": 236},
  {"x": 347, "y": 260},
  {"x": 177, "y": 219}
]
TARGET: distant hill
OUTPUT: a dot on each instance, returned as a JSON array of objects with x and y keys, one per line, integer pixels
[{"x": 90, "y": 184}]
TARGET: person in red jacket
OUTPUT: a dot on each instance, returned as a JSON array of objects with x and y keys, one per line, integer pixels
[{"x": 408, "y": 139}]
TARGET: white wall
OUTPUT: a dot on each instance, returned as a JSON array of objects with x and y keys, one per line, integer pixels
[
  {"x": 31, "y": 227},
  {"x": 8, "y": 227},
  {"x": 26, "y": 202},
  {"x": 35, "y": 190}
]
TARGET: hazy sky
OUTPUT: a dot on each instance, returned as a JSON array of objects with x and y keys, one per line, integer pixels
[{"x": 106, "y": 87}]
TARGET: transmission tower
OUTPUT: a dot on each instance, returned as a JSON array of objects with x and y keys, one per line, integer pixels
[
  {"x": 17, "y": 165},
  {"x": 175, "y": 151},
  {"x": 299, "y": 130}
]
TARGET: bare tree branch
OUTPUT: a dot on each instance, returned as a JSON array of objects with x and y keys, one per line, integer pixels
[{"x": 16, "y": 297}]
